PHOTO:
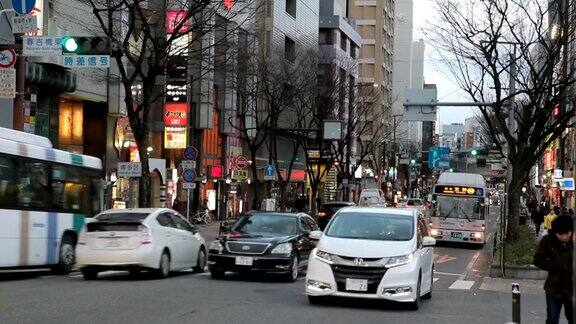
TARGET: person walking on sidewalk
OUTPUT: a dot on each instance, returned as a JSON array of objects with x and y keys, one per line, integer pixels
[
  {"x": 537, "y": 218},
  {"x": 554, "y": 254},
  {"x": 549, "y": 218}
]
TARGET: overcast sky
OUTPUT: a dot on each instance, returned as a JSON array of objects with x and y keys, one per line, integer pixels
[{"x": 447, "y": 90}]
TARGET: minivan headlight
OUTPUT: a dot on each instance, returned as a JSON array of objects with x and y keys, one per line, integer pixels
[
  {"x": 399, "y": 260},
  {"x": 284, "y": 248},
  {"x": 325, "y": 256}
]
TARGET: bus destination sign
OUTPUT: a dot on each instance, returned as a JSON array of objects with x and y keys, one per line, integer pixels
[{"x": 459, "y": 190}]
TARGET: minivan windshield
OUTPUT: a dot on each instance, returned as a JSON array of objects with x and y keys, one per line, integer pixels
[{"x": 371, "y": 226}]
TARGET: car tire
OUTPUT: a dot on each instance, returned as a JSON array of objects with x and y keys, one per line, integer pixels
[
  {"x": 316, "y": 300},
  {"x": 67, "y": 256},
  {"x": 201, "y": 261},
  {"x": 89, "y": 273},
  {"x": 163, "y": 270},
  {"x": 217, "y": 274},
  {"x": 415, "y": 305},
  {"x": 429, "y": 294},
  {"x": 292, "y": 276}
]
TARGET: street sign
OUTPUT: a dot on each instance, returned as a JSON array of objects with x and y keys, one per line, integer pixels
[
  {"x": 24, "y": 24},
  {"x": 189, "y": 185},
  {"x": 241, "y": 162},
  {"x": 557, "y": 174},
  {"x": 269, "y": 172},
  {"x": 190, "y": 153},
  {"x": 189, "y": 175},
  {"x": 239, "y": 174},
  {"x": 7, "y": 58},
  {"x": 566, "y": 184},
  {"x": 188, "y": 164},
  {"x": 129, "y": 169},
  {"x": 41, "y": 45},
  {"x": 86, "y": 61},
  {"x": 23, "y": 7},
  {"x": 439, "y": 157},
  {"x": 7, "y": 83},
  {"x": 419, "y": 113}
]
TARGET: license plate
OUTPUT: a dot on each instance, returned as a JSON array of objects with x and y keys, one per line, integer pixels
[
  {"x": 246, "y": 261},
  {"x": 457, "y": 235},
  {"x": 112, "y": 242},
  {"x": 356, "y": 284}
]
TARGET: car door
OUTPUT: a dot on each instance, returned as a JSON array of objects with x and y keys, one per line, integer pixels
[
  {"x": 304, "y": 243},
  {"x": 168, "y": 234},
  {"x": 182, "y": 242},
  {"x": 427, "y": 256},
  {"x": 191, "y": 240}
]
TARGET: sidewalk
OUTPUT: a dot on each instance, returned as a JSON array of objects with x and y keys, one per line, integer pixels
[
  {"x": 210, "y": 232},
  {"x": 533, "y": 299}
]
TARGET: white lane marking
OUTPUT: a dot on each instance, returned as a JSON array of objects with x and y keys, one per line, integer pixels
[
  {"x": 462, "y": 285},
  {"x": 446, "y": 273},
  {"x": 469, "y": 266},
  {"x": 204, "y": 273},
  {"x": 436, "y": 279},
  {"x": 444, "y": 258}
]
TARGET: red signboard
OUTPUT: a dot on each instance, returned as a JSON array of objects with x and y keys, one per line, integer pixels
[
  {"x": 297, "y": 175},
  {"x": 216, "y": 171},
  {"x": 176, "y": 114},
  {"x": 173, "y": 18}
]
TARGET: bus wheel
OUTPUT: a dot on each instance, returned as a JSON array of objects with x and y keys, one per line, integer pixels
[{"x": 67, "y": 256}]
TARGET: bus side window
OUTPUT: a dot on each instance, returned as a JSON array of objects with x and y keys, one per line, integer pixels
[{"x": 7, "y": 181}]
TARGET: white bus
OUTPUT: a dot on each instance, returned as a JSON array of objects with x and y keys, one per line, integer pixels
[
  {"x": 459, "y": 208},
  {"x": 45, "y": 194}
]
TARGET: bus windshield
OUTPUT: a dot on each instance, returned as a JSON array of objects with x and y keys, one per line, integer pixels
[{"x": 459, "y": 207}]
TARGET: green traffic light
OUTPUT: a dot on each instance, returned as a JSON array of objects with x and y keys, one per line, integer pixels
[
  {"x": 451, "y": 170},
  {"x": 474, "y": 152},
  {"x": 413, "y": 161},
  {"x": 70, "y": 44}
]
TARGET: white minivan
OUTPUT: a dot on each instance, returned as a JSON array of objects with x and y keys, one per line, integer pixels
[
  {"x": 370, "y": 197},
  {"x": 378, "y": 253}
]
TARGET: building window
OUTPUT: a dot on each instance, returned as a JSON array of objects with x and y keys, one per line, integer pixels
[
  {"x": 353, "y": 50},
  {"x": 291, "y": 7},
  {"x": 325, "y": 37},
  {"x": 289, "y": 49},
  {"x": 343, "y": 41}
]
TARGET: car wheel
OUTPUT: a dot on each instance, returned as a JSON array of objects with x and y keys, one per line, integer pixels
[
  {"x": 415, "y": 305},
  {"x": 294, "y": 271},
  {"x": 316, "y": 300},
  {"x": 201, "y": 262},
  {"x": 429, "y": 294},
  {"x": 67, "y": 256},
  {"x": 163, "y": 270},
  {"x": 217, "y": 274},
  {"x": 89, "y": 273}
]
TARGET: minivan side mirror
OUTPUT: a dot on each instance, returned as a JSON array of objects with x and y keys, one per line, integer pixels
[
  {"x": 428, "y": 241},
  {"x": 315, "y": 235}
]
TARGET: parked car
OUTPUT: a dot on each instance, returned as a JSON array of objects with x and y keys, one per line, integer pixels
[
  {"x": 328, "y": 209},
  {"x": 371, "y": 197},
  {"x": 267, "y": 242},
  {"x": 156, "y": 239},
  {"x": 381, "y": 253}
]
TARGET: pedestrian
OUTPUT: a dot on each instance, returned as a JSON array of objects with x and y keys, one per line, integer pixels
[
  {"x": 537, "y": 218},
  {"x": 549, "y": 218},
  {"x": 554, "y": 254}
]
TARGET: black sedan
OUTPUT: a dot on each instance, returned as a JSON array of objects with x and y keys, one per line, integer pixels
[{"x": 265, "y": 242}]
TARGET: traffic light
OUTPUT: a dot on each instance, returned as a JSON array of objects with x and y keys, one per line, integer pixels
[
  {"x": 413, "y": 162},
  {"x": 474, "y": 152},
  {"x": 451, "y": 170},
  {"x": 82, "y": 45}
]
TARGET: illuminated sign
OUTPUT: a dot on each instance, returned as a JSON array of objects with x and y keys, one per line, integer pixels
[
  {"x": 173, "y": 19},
  {"x": 176, "y": 91},
  {"x": 175, "y": 137},
  {"x": 216, "y": 171},
  {"x": 176, "y": 114},
  {"x": 459, "y": 190}
]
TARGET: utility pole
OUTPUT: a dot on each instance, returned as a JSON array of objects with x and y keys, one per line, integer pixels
[{"x": 394, "y": 147}]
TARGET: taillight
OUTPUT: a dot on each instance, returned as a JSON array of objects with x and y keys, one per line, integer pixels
[
  {"x": 483, "y": 227},
  {"x": 145, "y": 234},
  {"x": 82, "y": 238}
]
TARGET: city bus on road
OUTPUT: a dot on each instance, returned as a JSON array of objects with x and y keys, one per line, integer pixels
[
  {"x": 45, "y": 195},
  {"x": 458, "y": 208}
]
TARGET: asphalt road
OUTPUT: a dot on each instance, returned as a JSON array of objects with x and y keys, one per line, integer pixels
[{"x": 38, "y": 297}]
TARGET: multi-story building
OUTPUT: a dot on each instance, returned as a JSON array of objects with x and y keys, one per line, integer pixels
[
  {"x": 375, "y": 21},
  {"x": 451, "y": 135}
]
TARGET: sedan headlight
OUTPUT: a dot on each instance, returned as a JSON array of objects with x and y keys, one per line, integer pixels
[
  {"x": 284, "y": 248},
  {"x": 216, "y": 245},
  {"x": 399, "y": 260},
  {"x": 325, "y": 256}
]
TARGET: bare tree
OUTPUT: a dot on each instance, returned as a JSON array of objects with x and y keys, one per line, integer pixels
[
  {"x": 511, "y": 54},
  {"x": 142, "y": 43}
]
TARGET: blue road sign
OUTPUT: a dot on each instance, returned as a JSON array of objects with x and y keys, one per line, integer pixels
[
  {"x": 190, "y": 153},
  {"x": 439, "y": 157},
  {"x": 189, "y": 175},
  {"x": 23, "y": 7},
  {"x": 269, "y": 170}
]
